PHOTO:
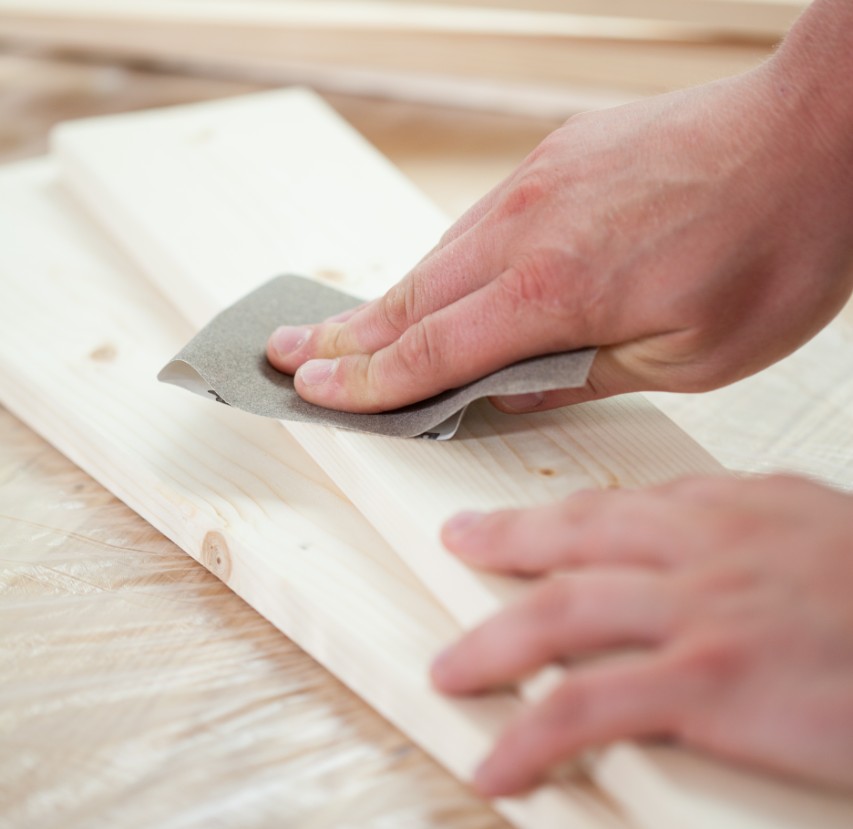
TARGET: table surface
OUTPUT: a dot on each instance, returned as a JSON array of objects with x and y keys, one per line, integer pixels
[{"x": 137, "y": 689}]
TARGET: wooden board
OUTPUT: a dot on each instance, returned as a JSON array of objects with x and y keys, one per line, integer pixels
[
  {"x": 755, "y": 18},
  {"x": 796, "y": 416},
  {"x": 552, "y": 50},
  {"x": 138, "y": 689},
  {"x": 208, "y": 227},
  {"x": 234, "y": 493},
  {"x": 137, "y": 684},
  {"x": 405, "y": 488}
]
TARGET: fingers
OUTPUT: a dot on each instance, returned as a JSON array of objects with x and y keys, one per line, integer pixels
[
  {"x": 591, "y": 527},
  {"x": 468, "y": 339},
  {"x": 634, "y": 697},
  {"x": 565, "y": 616},
  {"x": 443, "y": 277}
]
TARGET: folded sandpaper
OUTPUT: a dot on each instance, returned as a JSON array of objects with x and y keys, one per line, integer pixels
[{"x": 226, "y": 361}]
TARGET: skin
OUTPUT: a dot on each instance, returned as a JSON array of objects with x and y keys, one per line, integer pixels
[
  {"x": 695, "y": 238},
  {"x": 733, "y": 598}
]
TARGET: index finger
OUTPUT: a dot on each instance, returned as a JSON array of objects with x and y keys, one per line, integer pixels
[
  {"x": 480, "y": 333},
  {"x": 447, "y": 274}
]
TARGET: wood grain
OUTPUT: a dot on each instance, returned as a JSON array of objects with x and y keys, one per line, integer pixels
[
  {"x": 238, "y": 495},
  {"x": 405, "y": 488},
  {"x": 791, "y": 416},
  {"x": 754, "y": 18},
  {"x": 138, "y": 689},
  {"x": 796, "y": 416},
  {"x": 166, "y": 206}
]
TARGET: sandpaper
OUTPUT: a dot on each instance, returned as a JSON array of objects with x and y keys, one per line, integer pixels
[{"x": 226, "y": 361}]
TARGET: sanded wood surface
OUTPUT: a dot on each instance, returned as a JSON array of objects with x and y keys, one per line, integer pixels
[
  {"x": 793, "y": 415},
  {"x": 195, "y": 196},
  {"x": 406, "y": 488},
  {"x": 138, "y": 690},
  {"x": 796, "y": 416},
  {"x": 233, "y": 492},
  {"x": 290, "y": 745}
]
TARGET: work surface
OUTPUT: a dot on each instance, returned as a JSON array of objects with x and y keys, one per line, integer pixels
[{"x": 144, "y": 692}]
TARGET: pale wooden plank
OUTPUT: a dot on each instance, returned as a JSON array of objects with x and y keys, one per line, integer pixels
[
  {"x": 796, "y": 416},
  {"x": 549, "y": 49},
  {"x": 405, "y": 488},
  {"x": 137, "y": 685},
  {"x": 207, "y": 219},
  {"x": 755, "y": 18},
  {"x": 234, "y": 493}
]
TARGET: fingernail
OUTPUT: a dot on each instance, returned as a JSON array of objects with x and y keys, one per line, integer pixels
[
  {"x": 521, "y": 402},
  {"x": 287, "y": 339},
  {"x": 316, "y": 372},
  {"x": 463, "y": 521}
]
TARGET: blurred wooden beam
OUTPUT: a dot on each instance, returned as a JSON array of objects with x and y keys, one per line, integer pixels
[
  {"x": 761, "y": 19},
  {"x": 446, "y": 43}
]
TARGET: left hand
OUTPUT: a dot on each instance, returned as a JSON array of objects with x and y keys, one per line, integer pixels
[{"x": 735, "y": 597}]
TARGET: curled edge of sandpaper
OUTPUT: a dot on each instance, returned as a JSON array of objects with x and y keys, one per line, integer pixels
[{"x": 226, "y": 361}]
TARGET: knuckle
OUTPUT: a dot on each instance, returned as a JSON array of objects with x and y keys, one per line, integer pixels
[
  {"x": 558, "y": 607},
  {"x": 526, "y": 195},
  {"x": 713, "y": 661},
  {"x": 416, "y": 352},
  {"x": 534, "y": 280},
  {"x": 397, "y": 311},
  {"x": 552, "y": 601},
  {"x": 559, "y": 282},
  {"x": 571, "y": 705},
  {"x": 330, "y": 340}
]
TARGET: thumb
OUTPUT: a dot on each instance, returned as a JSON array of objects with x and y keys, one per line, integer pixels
[{"x": 608, "y": 377}]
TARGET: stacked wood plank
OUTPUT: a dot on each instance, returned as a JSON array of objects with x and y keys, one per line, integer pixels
[
  {"x": 548, "y": 58},
  {"x": 209, "y": 201}
]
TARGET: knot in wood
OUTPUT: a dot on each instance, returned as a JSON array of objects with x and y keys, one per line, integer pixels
[
  {"x": 105, "y": 353},
  {"x": 216, "y": 556}
]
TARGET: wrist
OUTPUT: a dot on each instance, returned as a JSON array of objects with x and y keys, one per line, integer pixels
[{"x": 809, "y": 83}]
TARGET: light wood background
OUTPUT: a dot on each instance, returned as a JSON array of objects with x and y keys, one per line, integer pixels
[{"x": 135, "y": 689}]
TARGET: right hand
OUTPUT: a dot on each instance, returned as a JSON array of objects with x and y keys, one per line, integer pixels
[{"x": 695, "y": 238}]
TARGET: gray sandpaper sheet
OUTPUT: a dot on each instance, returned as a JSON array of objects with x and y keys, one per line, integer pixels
[{"x": 226, "y": 361}]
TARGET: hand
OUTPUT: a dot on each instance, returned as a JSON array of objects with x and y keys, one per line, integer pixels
[
  {"x": 736, "y": 597},
  {"x": 696, "y": 237}
]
